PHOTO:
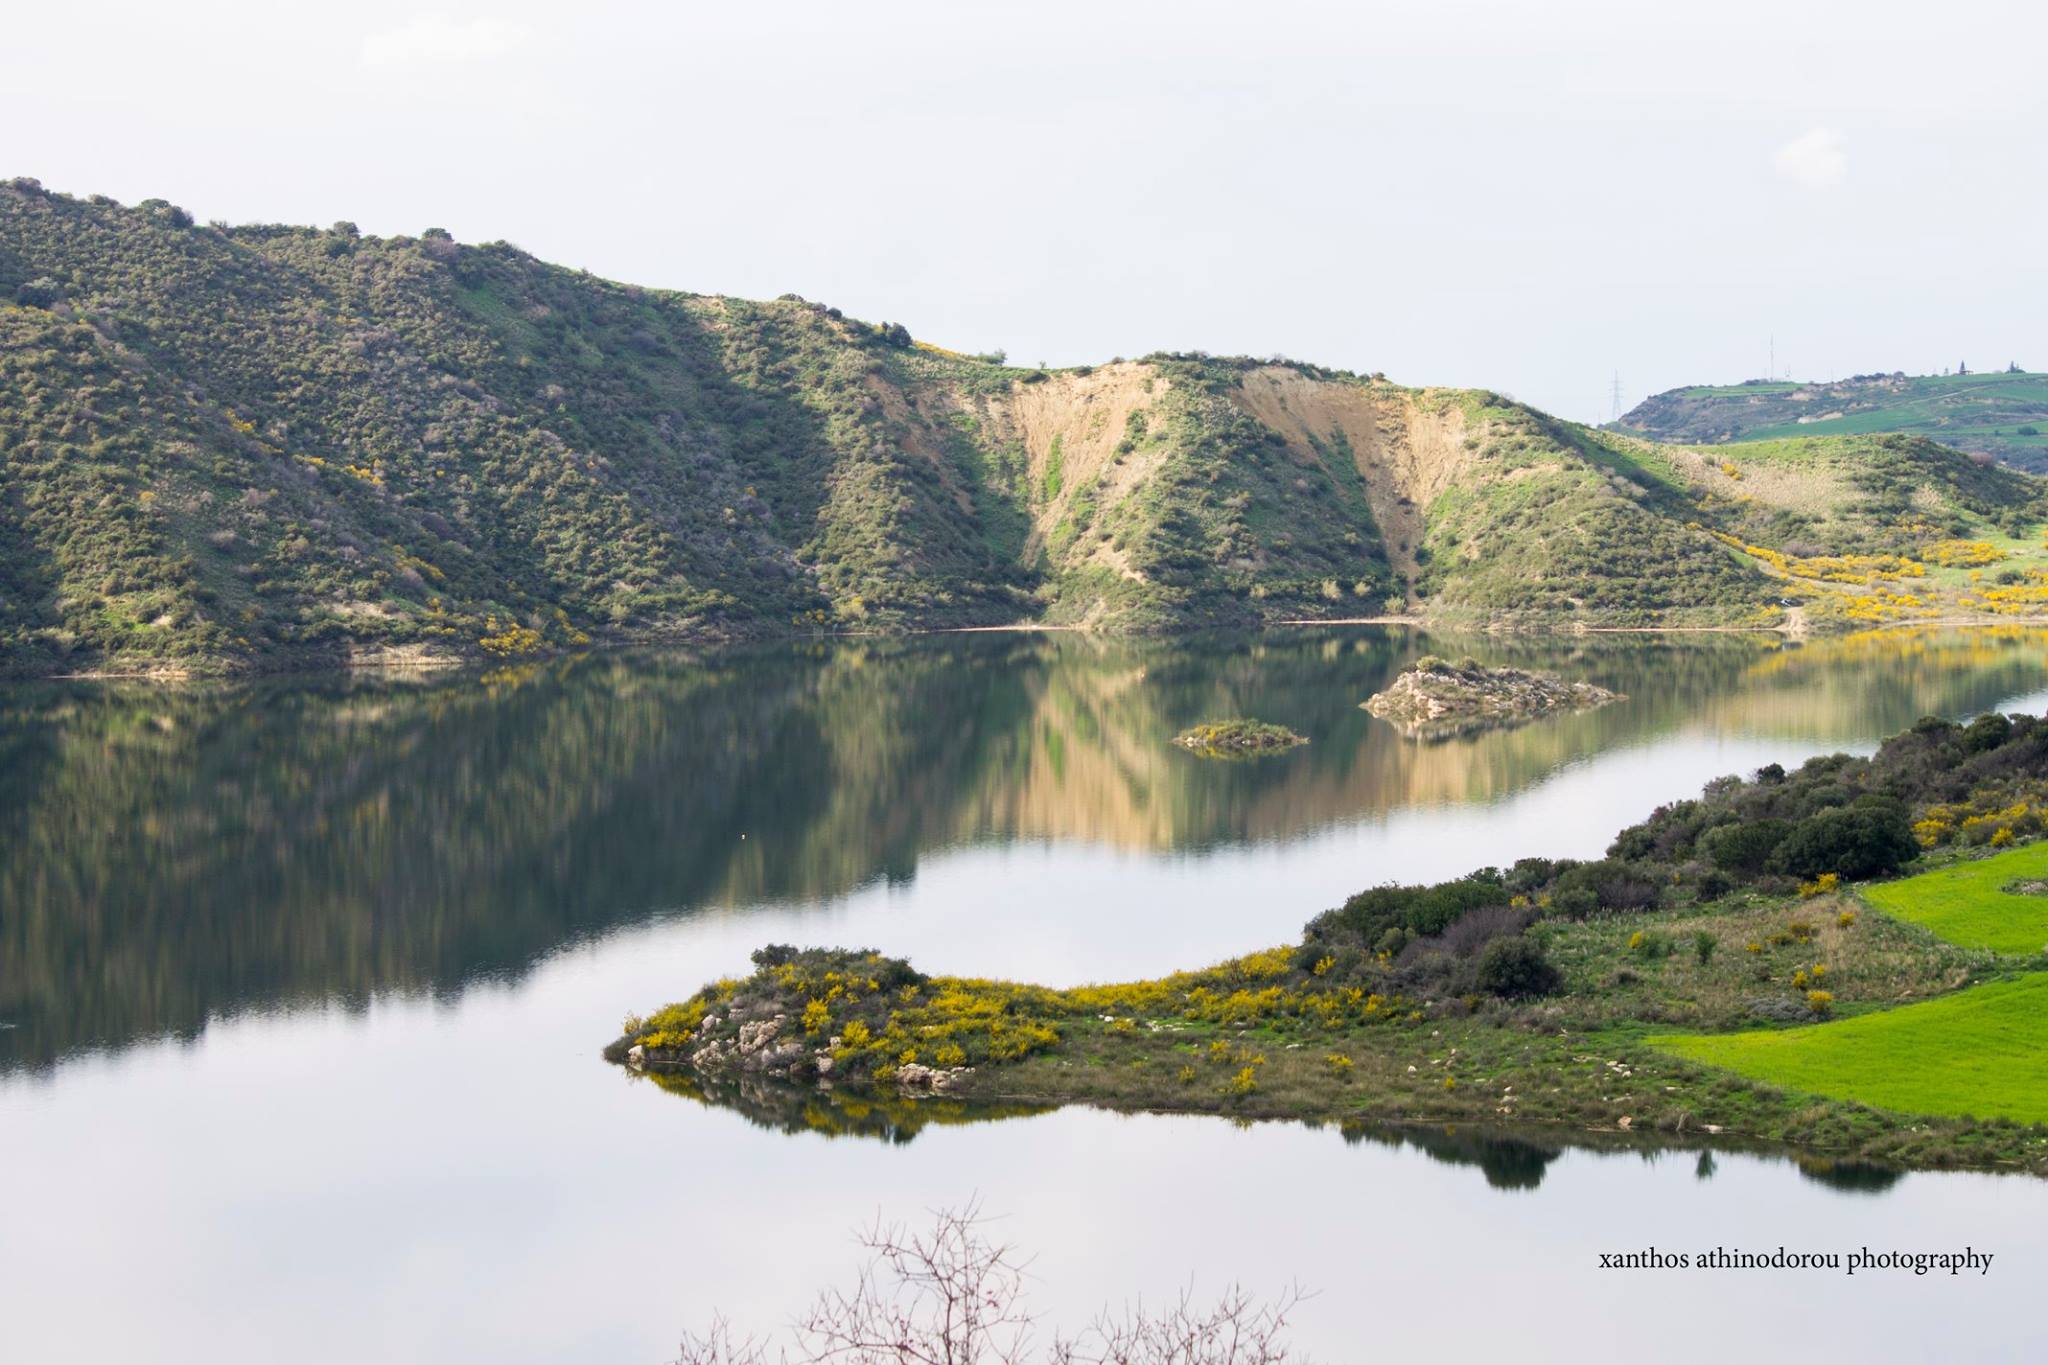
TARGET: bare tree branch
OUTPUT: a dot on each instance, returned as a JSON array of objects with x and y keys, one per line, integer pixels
[{"x": 951, "y": 1296}]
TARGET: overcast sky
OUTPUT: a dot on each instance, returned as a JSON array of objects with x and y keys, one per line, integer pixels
[{"x": 1528, "y": 197}]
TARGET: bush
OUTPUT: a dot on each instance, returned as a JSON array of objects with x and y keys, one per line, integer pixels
[
  {"x": 1745, "y": 848},
  {"x": 1986, "y": 732},
  {"x": 1649, "y": 945},
  {"x": 1367, "y": 916},
  {"x": 1477, "y": 929},
  {"x": 1859, "y": 842},
  {"x": 1777, "y": 1009},
  {"x": 1516, "y": 968},
  {"x": 1610, "y": 884},
  {"x": 38, "y": 293}
]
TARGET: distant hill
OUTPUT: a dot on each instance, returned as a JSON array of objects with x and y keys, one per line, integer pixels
[
  {"x": 2001, "y": 414},
  {"x": 225, "y": 448}
]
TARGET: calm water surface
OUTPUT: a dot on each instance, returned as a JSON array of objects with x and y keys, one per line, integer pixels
[{"x": 302, "y": 986}]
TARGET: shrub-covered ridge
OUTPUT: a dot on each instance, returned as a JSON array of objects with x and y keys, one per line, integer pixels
[{"x": 250, "y": 446}]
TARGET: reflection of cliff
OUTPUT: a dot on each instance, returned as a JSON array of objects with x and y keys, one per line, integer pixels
[
  {"x": 1099, "y": 766},
  {"x": 1898, "y": 675},
  {"x": 175, "y": 853}
]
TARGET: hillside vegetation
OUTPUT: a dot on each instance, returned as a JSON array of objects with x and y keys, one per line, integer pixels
[
  {"x": 228, "y": 447},
  {"x": 2002, "y": 414}
]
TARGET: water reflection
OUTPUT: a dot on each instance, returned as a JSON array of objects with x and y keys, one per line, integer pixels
[
  {"x": 1850, "y": 1177},
  {"x": 780, "y": 1107},
  {"x": 1509, "y": 1159},
  {"x": 177, "y": 854}
]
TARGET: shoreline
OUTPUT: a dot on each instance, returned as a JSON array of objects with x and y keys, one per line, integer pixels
[
  {"x": 368, "y": 661},
  {"x": 1671, "y": 1102}
]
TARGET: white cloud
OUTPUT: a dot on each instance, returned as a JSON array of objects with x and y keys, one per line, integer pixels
[
  {"x": 1816, "y": 159},
  {"x": 435, "y": 40}
]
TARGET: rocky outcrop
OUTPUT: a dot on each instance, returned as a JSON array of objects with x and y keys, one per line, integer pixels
[
  {"x": 1436, "y": 699},
  {"x": 758, "y": 1049},
  {"x": 936, "y": 1079}
]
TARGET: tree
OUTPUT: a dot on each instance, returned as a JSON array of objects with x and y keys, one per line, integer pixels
[
  {"x": 1854, "y": 843},
  {"x": 1744, "y": 848},
  {"x": 1513, "y": 968},
  {"x": 950, "y": 1296}
]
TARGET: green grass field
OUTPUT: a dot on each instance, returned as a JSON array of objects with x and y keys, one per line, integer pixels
[
  {"x": 1946, "y": 407},
  {"x": 2004, "y": 414},
  {"x": 1964, "y": 904},
  {"x": 1980, "y": 1052}
]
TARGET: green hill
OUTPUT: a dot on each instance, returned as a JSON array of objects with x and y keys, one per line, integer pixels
[
  {"x": 2001, "y": 414},
  {"x": 263, "y": 446}
]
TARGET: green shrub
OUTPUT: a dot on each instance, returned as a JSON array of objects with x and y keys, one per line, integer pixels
[
  {"x": 1516, "y": 968},
  {"x": 1745, "y": 848},
  {"x": 1856, "y": 843}
]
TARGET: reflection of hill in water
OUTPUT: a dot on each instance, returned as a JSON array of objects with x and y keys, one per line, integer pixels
[
  {"x": 1509, "y": 1159},
  {"x": 176, "y": 852}
]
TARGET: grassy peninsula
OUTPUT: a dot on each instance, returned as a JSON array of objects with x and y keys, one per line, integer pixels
[{"x": 1716, "y": 976}]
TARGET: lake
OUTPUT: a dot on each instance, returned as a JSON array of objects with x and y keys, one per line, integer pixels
[{"x": 302, "y": 984}]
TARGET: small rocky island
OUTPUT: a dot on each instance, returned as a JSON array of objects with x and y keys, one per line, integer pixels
[
  {"x": 1238, "y": 739},
  {"x": 1436, "y": 699}
]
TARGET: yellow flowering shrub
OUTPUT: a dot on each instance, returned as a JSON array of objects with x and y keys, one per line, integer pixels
[
  {"x": 883, "y": 1016},
  {"x": 1962, "y": 554},
  {"x": 513, "y": 638},
  {"x": 1932, "y": 831}
]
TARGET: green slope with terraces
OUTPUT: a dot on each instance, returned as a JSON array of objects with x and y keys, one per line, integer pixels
[{"x": 2003, "y": 413}]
